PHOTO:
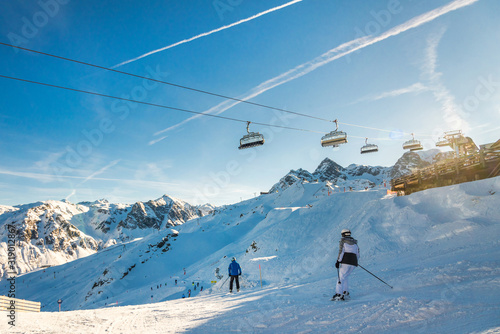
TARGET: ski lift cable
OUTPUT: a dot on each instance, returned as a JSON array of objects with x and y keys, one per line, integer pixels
[
  {"x": 189, "y": 88},
  {"x": 165, "y": 82},
  {"x": 383, "y": 130},
  {"x": 171, "y": 108},
  {"x": 154, "y": 104}
]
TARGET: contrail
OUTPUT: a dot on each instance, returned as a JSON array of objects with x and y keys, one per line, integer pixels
[
  {"x": 276, "y": 81},
  {"x": 415, "y": 88},
  {"x": 154, "y": 141},
  {"x": 210, "y": 32},
  {"x": 100, "y": 171},
  {"x": 333, "y": 54},
  {"x": 452, "y": 112}
]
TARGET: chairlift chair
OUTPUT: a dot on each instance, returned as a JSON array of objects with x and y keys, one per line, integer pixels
[
  {"x": 453, "y": 134},
  {"x": 412, "y": 145},
  {"x": 251, "y": 139},
  {"x": 334, "y": 138},
  {"x": 369, "y": 148},
  {"x": 442, "y": 142},
  {"x": 417, "y": 148}
]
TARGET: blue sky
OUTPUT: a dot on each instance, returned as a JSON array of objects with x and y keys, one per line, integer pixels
[{"x": 380, "y": 66}]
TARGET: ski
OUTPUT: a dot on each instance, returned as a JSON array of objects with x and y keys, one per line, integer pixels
[
  {"x": 343, "y": 298},
  {"x": 338, "y": 300}
]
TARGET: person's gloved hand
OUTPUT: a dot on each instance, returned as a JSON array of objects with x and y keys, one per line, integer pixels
[{"x": 337, "y": 264}]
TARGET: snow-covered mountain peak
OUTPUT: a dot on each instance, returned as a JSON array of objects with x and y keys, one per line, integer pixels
[
  {"x": 64, "y": 207},
  {"x": 354, "y": 176},
  {"x": 100, "y": 202},
  {"x": 166, "y": 199},
  {"x": 55, "y": 232},
  {"x": 412, "y": 161},
  {"x": 206, "y": 208},
  {"x": 6, "y": 208},
  {"x": 429, "y": 155},
  {"x": 353, "y": 166},
  {"x": 328, "y": 169}
]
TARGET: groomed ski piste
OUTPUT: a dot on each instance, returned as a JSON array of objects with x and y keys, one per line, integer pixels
[{"x": 438, "y": 248}]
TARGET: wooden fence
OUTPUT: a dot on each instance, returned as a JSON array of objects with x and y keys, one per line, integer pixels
[{"x": 20, "y": 305}]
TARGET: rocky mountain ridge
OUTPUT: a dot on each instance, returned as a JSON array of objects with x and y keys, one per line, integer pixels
[
  {"x": 55, "y": 232},
  {"x": 361, "y": 176}
]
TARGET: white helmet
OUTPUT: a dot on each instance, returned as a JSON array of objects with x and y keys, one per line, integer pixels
[{"x": 345, "y": 233}]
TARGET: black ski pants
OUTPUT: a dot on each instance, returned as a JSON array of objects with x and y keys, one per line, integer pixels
[{"x": 234, "y": 278}]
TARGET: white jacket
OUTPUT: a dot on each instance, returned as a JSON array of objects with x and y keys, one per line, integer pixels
[{"x": 348, "y": 251}]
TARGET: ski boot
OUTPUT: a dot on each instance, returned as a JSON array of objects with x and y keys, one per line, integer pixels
[{"x": 338, "y": 296}]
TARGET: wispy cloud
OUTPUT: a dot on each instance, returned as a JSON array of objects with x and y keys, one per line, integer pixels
[
  {"x": 52, "y": 177},
  {"x": 48, "y": 160},
  {"x": 452, "y": 112},
  {"x": 491, "y": 130},
  {"x": 210, "y": 32},
  {"x": 37, "y": 176},
  {"x": 333, "y": 54}
]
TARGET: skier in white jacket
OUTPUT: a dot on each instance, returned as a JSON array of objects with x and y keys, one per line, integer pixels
[{"x": 346, "y": 262}]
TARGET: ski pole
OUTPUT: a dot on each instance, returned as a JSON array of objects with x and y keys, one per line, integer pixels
[
  {"x": 374, "y": 276},
  {"x": 338, "y": 274},
  {"x": 223, "y": 283}
]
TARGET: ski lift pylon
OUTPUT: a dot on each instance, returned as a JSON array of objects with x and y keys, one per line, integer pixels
[
  {"x": 251, "y": 139},
  {"x": 369, "y": 148},
  {"x": 413, "y": 144},
  {"x": 334, "y": 138}
]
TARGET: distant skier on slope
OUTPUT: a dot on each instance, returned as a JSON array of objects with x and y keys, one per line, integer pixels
[
  {"x": 346, "y": 262},
  {"x": 234, "y": 271}
]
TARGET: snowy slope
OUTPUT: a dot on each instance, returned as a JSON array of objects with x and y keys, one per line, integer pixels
[{"x": 439, "y": 249}]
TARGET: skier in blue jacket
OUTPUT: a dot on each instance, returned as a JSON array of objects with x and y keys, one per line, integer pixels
[{"x": 234, "y": 271}]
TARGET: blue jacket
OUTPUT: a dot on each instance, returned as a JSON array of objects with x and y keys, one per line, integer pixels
[{"x": 234, "y": 269}]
